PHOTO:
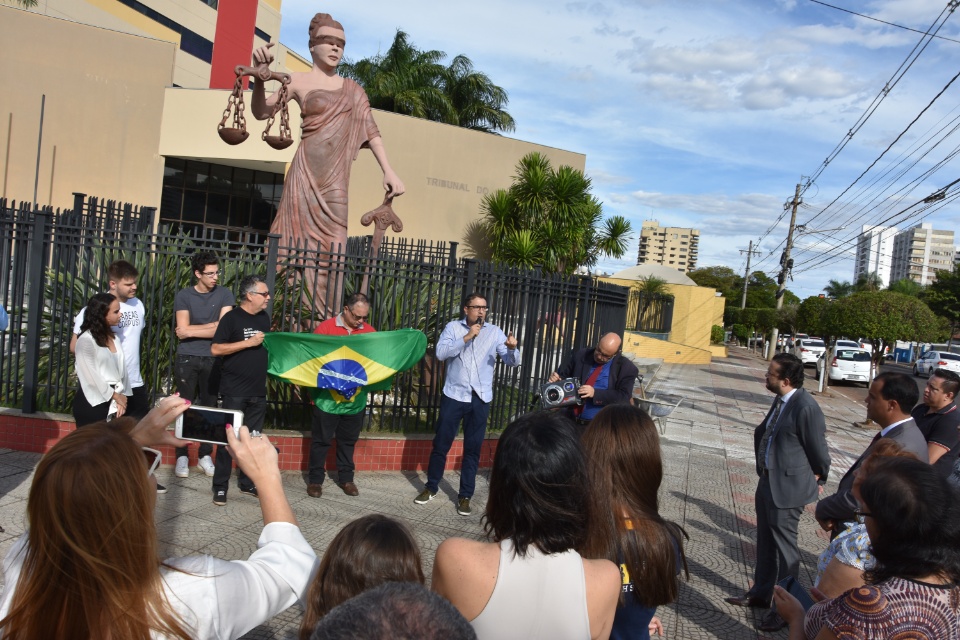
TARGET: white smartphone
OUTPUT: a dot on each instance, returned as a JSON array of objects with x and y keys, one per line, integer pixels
[{"x": 208, "y": 424}]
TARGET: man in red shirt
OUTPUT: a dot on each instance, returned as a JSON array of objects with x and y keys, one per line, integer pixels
[{"x": 346, "y": 428}]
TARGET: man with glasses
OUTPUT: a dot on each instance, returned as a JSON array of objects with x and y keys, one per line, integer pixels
[
  {"x": 606, "y": 377},
  {"x": 198, "y": 310},
  {"x": 243, "y": 378},
  {"x": 469, "y": 347},
  {"x": 345, "y": 428},
  {"x": 937, "y": 418},
  {"x": 792, "y": 462}
]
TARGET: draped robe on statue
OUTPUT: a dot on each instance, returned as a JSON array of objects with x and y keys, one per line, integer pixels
[{"x": 336, "y": 124}]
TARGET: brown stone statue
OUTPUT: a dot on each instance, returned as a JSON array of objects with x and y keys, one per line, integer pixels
[{"x": 336, "y": 124}]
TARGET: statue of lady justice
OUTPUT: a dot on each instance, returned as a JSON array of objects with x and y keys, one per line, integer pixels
[{"x": 336, "y": 124}]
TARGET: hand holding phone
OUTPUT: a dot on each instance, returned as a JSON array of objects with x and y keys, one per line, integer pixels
[{"x": 208, "y": 424}]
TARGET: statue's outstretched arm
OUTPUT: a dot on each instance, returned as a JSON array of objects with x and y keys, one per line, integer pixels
[
  {"x": 260, "y": 105},
  {"x": 392, "y": 183}
]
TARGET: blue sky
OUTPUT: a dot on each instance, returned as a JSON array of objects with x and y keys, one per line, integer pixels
[{"x": 707, "y": 114}]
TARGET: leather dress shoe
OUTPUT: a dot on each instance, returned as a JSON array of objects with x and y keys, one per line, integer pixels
[
  {"x": 314, "y": 490},
  {"x": 748, "y": 601},
  {"x": 771, "y": 621},
  {"x": 350, "y": 489}
]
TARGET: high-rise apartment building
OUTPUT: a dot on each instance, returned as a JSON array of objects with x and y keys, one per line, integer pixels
[
  {"x": 919, "y": 252},
  {"x": 874, "y": 253},
  {"x": 674, "y": 247}
]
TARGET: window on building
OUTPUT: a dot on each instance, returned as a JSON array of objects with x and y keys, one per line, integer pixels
[{"x": 204, "y": 198}]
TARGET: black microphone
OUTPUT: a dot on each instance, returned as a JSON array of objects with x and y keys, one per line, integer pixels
[{"x": 478, "y": 321}]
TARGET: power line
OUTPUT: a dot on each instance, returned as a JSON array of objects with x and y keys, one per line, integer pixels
[{"x": 892, "y": 24}]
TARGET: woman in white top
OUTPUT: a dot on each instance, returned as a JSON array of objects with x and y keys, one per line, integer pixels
[
  {"x": 529, "y": 582},
  {"x": 88, "y": 567},
  {"x": 100, "y": 368}
]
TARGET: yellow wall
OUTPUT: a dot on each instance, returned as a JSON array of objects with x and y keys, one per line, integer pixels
[
  {"x": 101, "y": 128},
  {"x": 695, "y": 311},
  {"x": 446, "y": 169},
  {"x": 671, "y": 352}
]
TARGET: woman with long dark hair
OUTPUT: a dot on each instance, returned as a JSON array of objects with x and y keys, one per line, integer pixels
[
  {"x": 99, "y": 364},
  {"x": 366, "y": 553},
  {"x": 529, "y": 581},
  {"x": 88, "y": 566},
  {"x": 912, "y": 515},
  {"x": 625, "y": 468}
]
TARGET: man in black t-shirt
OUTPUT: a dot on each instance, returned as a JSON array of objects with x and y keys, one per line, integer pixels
[
  {"x": 937, "y": 417},
  {"x": 243, "y": 377}
]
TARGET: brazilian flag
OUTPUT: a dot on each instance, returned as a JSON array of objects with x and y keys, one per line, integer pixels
[{"x": 343, "y": 368}]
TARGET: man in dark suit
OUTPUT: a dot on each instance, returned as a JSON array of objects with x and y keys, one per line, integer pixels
[
  {"x": 792, "y": 462},
  {"x": 606, "y": 377},
  {"x": 889, "y": 401}
]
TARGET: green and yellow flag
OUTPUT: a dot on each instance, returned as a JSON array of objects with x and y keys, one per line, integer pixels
[{"x": 343, "y": 368}]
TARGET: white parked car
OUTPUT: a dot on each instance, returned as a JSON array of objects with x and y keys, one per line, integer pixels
[
  {"x": 933, "y": 360},
  {"x": 850, "y": 364},
  {"x": 809, "y": 350},
  {"x": 847, "y": 344}
]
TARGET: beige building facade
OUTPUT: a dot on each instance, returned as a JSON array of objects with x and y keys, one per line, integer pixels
[
  {"x": 673, "y": 247},
  {"x": 116, "y": 126},
  {"x": 921, "y": 251}
]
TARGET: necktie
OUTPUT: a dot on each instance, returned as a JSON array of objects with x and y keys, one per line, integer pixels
[{"x": 771, "y": 423}]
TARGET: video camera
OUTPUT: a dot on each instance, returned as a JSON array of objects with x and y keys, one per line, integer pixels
[{"x": 562, "y": 393}]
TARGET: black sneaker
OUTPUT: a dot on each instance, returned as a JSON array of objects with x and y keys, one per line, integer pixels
[
  {"x": 252, "y": 491},
  {"x": 220, "y": 498},
  {"x": 161, "y": 488}
]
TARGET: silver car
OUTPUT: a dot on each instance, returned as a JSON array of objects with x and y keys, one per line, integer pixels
[
  {"x": 933, "y": 360},
  {"x": 809, "y": 350}
]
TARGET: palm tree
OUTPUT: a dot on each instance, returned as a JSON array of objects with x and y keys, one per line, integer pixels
[
  {"x": 416, "y": 83},
  {"x": 869, "y": 282},
  {"x": 404, "y": 80},
  {"x": 549, "y": 219},
  {"x": 478, "y": 102},
  {"x": 836, "y": 289}
]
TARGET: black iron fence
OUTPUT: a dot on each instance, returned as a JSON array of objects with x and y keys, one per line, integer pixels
[
  {"x": 59, "y": 259},
  {"x": 650, "y": 313}
]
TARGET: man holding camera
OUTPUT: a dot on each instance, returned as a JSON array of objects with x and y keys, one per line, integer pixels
[
  {"x": 470, "y": 348},
  {"x": 606, "y": 376}
]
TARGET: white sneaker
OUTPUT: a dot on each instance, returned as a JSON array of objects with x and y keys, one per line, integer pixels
[
  {"x": 182, "y": 469},
  {"x": 206, "y": 465}
]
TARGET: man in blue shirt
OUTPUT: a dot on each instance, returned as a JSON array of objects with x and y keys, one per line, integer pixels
[
  {"x": 469, "y": 347},
  {"x": 606, "y": 377}
]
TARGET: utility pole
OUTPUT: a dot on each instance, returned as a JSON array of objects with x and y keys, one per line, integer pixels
[
  {"x": 746, "y": 276},
  {"x": 786, "y": 264}
]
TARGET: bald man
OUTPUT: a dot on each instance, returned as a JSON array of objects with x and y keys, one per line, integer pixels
[{"x": 606, "y": 377}]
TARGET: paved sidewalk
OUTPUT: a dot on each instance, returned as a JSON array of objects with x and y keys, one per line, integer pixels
[{"x": 708, "y": 488}]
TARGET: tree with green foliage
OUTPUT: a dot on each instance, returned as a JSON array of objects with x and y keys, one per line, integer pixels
[
  {"x": 883, "y": 317},
  {"x": 416, "y": 83},
  {"x": 943, "y": 297},
  {"x": 836, "y": 289},
  {"x": 907, "y": 287},
  {"x": 810, "y": 315},
  {"x": 723, "y": 279},
  {"x": 549, "y": 219}
]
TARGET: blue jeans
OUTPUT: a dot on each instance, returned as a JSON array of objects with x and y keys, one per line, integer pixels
[{"x": 474, "y": 416}]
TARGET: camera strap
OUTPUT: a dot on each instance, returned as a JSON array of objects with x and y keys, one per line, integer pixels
[{"x": 592, "y": 380}]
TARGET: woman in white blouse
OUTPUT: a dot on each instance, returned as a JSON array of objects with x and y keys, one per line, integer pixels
[
  {"x": 100, "y": 368},
  {"x": 88, "y": 566}
]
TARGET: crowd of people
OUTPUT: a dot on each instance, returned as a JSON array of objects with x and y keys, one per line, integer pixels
[{"x": 575, "y": 545}]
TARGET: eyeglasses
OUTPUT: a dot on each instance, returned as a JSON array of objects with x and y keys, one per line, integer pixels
[
  {"x": 350, "y": 311},
  {"x": 265, "y": 294},
  {"x": 602, "y": 357},
  {"x": 860, "y": 515},
  {"x": 477, "y": 307},
  {"x": 210, "y": 274},
  {"x": 153, "y": 459}
]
